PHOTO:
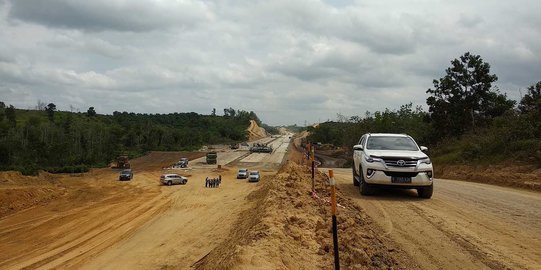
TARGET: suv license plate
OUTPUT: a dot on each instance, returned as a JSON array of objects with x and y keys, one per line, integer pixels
[{"x": 399, "y": 179}]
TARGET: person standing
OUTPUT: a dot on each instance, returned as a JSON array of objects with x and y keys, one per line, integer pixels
[{"x": 207, "y": 182}]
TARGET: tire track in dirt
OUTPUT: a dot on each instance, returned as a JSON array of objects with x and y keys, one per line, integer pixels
[
  {"x": 473, "y": 226},
  {"x": 101, "y": 233}
]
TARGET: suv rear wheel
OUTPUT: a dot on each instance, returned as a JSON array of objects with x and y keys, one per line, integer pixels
[{"x": 169, "y": 182}]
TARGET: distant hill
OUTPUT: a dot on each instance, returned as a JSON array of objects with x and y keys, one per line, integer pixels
[{"x": 71, "y": 142}]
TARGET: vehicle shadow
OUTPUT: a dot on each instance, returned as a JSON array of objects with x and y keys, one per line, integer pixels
[{"x": 381, "y": 194}]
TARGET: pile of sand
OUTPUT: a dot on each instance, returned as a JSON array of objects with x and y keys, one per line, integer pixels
[
  {"x": 19, "y": 192},
  {"x": 288, "y": 229},
  {"x": 256, "y": 132}
]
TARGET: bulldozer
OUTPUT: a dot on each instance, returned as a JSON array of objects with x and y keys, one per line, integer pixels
[{"x": 121, "y": 162}]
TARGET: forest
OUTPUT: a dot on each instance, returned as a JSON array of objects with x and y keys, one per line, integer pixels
[
  {"x": 60, "y": 141},
  {"x": 468, "y": 120}
]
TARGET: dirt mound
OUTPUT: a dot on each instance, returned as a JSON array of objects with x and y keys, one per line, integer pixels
[
  {"x": 256, "y": 132},
  {"x": 19, "y": 192},
  {"x": 512, "y": 175},
  {"x": 288, "y": 229}
]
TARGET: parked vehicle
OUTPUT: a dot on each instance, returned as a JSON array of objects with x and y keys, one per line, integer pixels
[
  {"x": 126, "y": 174},
  {"x": 394, "y": 160},
  {"x": 242, "y": 174},
  {"x": 260, "y": 148},
  {"x": 212, "y": 157},
  {"x": 182, "y": 163},
  {"x": 121, "y": 162},
  {"x": 254, "y": 176},
  {"x": 173, "y": 179}
]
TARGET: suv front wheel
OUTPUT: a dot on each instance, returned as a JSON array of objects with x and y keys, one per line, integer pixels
[
  {"x": 355, "y": 176},
  {"x": 425, "y": 192},
  {"x": 365, "y": 188}
]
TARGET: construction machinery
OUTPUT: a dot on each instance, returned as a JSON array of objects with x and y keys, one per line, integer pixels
[
  {"x": 212, "y": 157},
  {"x": 182, "y": 163},
  {"x": 121, "y": 162},
  {"x": 261, "y": 148}
]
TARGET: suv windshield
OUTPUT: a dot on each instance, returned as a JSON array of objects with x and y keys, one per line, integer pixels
[
  {"x": 253, "y": 173},
  {"x": 391, "y": 143}
]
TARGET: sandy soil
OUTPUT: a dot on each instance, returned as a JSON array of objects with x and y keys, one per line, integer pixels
[
  {"x": 289, "y": 229},
  {"x": 465, "y": 225},
  {"x": 256, "y": 132},
  {"x": 511, "y": 175},
  {"x": 93, "y": 221}
]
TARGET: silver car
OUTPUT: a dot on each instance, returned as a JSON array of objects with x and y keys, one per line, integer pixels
[
  {"x": 254, "y": 176},
  {"x": 242, "y": 174},
  {"x": 170, "y": 179}
]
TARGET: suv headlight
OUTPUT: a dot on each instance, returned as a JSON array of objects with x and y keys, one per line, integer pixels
[
  {"x": 372, "y": 159},
  {"x": 425, "y": 161}
]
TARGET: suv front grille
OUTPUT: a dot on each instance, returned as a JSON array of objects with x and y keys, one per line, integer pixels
[
  {"x": 400, "y": 162},
  {"x": 401, "y": 174}
]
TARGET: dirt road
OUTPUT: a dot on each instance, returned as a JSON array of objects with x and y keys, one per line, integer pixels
[
  {"x": 99, "y": 222},
  {"x": 93, "y": 221},
  {"x": 465, "y": 225}
]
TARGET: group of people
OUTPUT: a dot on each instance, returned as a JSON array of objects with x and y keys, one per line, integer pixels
[{"x": 213, "y": 182}]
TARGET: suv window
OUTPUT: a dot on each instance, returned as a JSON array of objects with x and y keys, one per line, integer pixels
[
  {"x": 361, "y": 141},
  {"x": 391, "y": 143}
]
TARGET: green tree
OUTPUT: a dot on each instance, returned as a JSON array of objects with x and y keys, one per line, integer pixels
[
  {"x": 2, "y": 110},
  {"x": 464, "y": 96},
  {"x": 91, "y": 112},
  {"x": 10, "y": 115},
  {"x": 51, "y": 108},
  {"x": 530, "y": 108},
  {"x": 531, "y": 102},
  {"x": 229, "y": 112}
]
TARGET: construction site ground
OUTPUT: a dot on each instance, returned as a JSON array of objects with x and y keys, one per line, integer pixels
[{"x": 94, "y": 221}]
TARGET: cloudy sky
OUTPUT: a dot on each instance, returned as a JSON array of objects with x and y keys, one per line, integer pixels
[{"x": 289, "y": 61}]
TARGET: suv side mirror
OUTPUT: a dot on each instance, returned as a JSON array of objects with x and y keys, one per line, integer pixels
[
  {"x": 358, "y": 147},
  {"x": 424, "y": 148}
]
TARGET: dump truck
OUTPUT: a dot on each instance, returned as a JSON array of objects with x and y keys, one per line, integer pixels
[
  {"x": 212, "y": 157},
  {"x": 121, "y": 162}
]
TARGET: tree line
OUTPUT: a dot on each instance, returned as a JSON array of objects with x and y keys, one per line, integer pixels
[
  {"x": 59, "y": 141},
  {"x": 468, "y": 119}
]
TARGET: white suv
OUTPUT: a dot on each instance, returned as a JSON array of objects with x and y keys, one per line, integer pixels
[
  {"x": 171, "y": 178},
  {"x": 384, "y": 159}
]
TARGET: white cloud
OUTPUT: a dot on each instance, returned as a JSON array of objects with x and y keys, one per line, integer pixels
[{"x": 288, "y": 61}]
